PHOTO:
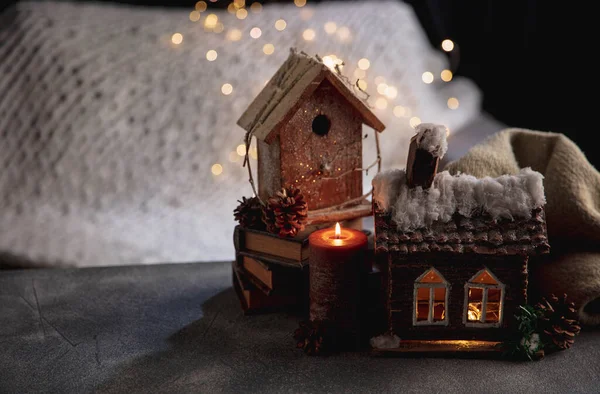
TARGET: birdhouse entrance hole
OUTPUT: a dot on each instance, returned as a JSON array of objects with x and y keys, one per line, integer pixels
[{"x": 321, "y": 125}]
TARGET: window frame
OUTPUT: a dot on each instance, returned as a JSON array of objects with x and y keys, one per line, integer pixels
[
  {"x": 432, "y": 287},
  {"x": 484, "y": 298}
]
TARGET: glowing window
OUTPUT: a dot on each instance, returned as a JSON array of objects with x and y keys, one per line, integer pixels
[
  {"x": 484, "y": 298},
  {"x": 431, "y": 299}
]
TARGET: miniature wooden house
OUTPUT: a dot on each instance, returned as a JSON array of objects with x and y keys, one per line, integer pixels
[
  {"x": 456, "y": 249},
  {"x": 308, "y": 124}
]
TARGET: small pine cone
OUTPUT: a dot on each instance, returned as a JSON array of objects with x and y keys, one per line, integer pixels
[
  {"x": 249, "y": 213},
  {"x": 286, "y": 212},
  {"x": 558, "y": 321},
  {"x": 314, "y": 337}
]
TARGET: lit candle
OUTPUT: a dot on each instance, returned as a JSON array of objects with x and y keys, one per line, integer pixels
[{"x": 337, "y": 271}]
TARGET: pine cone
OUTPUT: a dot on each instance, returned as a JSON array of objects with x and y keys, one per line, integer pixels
[
  {"x": 558, "y": 321},
  {"x": 314, "y": 337},
  {"x": 249, "y": 213},
  {"x": 286, "y": 212}
]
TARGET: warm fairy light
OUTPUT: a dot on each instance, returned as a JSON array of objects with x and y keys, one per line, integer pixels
[
  {"x": 231, "y": 8},
  {"x": 414, "y": 121},
  {"x": 427, "y": 77},
  {"x": 234, "y": 35},
  {"x": 381, "y": 103},
  {"x": 211, "y": 21},
  {"x": 256, "y": 7},
  {"x": 177, "y": 38},
  {"x": 233, "y": 157},
  {"x": 358, "y": 73},
  {"x": 381, "y": 88},
  {"x": 241, "y": 149},
  {"x": 453, "y": 103},
  {"x": 242, "y": 13},
  {"x": 330, "y": 27},
  {"x": 239, "y": 3},
  {"x": 216, "y": 169},
  {"x": 338, "y": 231},
  {"x": 280, "y": 24},
  {"x": 399, "y": 111},
  {"x": 226, "y": 89},
  {"x": 211, "y": 55},
  {"x": 253, "y": 152},
  {"x": 194, "y": 16},
  {"x": 364, "y": 64},
  {"x": 300, "y": 3},
  {"x": 309, "y": 34},
  {"x": 218, "y": 28},
  {"x": 447, "y": 45},
  {"x": 268, "y": 49},
  {"x": 446, "y": 75},
  {"x": 362, "y": 84},
  {"x": 200, "y": 6},
  {"x": 328, "y": 61},
  {"x": 306, "y": 13},
  {"x": 379, "y": 80},
  {"x": 391, "y": 92},
  {"x": 343, "y": 33},
  {"x": 255, "y": 32}
]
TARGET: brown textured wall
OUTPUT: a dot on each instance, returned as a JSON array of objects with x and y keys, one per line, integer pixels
[
  {"x": 457, "y": 270},
  {"x": 269, "y": 180},
  {"x": 304, "y": 154}
]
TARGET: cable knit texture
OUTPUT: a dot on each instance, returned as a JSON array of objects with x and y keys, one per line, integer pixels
[{"x": 108, "y": 130}]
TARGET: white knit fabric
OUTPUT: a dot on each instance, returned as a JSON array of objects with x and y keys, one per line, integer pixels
[{"x": 108, "y": 130}]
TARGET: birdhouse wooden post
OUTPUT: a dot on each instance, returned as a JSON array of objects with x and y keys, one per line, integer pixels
[{"x": 308, "y": 124}]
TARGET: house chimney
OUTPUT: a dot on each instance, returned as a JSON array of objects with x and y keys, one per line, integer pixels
[{"x": 426, "y": 149}]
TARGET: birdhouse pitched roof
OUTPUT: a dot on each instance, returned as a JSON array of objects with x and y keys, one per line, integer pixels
[
  {"x": 461, "y": 214},
  {"x": 296, "y": 80}
]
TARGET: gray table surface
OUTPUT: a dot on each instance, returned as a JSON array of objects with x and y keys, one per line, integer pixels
[{"x": 179, "y": 328}]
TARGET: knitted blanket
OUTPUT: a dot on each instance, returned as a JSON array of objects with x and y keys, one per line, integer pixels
[
  {"x": 118, "y": 132},
  {"x": 572, "y": 188}
]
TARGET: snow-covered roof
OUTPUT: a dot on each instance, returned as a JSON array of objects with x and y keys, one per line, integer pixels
[{"x": 505, "y": 197}]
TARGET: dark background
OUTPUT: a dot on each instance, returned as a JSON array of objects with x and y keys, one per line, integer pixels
[{"x": 532, "y": 59}]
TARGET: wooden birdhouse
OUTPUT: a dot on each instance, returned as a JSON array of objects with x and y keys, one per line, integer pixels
[
  {"x": 456, "y": 248},
  {"x": 308, "y": 124}
]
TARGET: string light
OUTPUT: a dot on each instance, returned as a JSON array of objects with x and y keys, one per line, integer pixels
[
  {"x": 391, "y": 92},
  {"x": 447, "y": 45},
  {"x": 216, "y": 169},
  {"x": 177, "y": 38},
  {"x": 381, "y": 88},
  {"x": 280, "y": 24},
  {"x": 453, "y": 103},
  {"x": 446, "y": 75},
  {"x": 211, "y": 21},
  {"x": 300, "y": 3},
  {"x": 358, "y": 73},
  {"x": 381, "y": 103},
  {"x": 219, "y": 28},
  {"x": 308, "y": 34},
  {"x": 242, "y": 13},
  {"x": 200, "y": 6},
  {"x": 364, "y": 64},
  {"x": 231, "y": 8},
  {"x": 268, "y": 49},
  {"x": 399, "y": 111},
  {"x": 427, "y": 77},
  {"x": 414, "y": 121},
  {"x": 379, "y": 80},
  {"x": 343, "y": 33},
  {"x": 362, "y": 84},
  {"x": 234, "y": 35},
  {"x": 306, "y": 14},
  {"x": 194, "y": 16},
  {"x": 241, "y": 149},
  {"x": 239, "y": 3},
  {"x": 330, "y": 28},
  {"x": 328, "y": 61},
  {"x": 256, "y": 7},
  {"x": 253, "y": 153},
  {"x": 226, "y": 89},
  {"x": 255, "y": 32},
  {"x": 233, "y": 157},
  {"x": 211, "y": 55}
]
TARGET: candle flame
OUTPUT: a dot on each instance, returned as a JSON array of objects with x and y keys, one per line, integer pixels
[{"x": 338, "y": 231}]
